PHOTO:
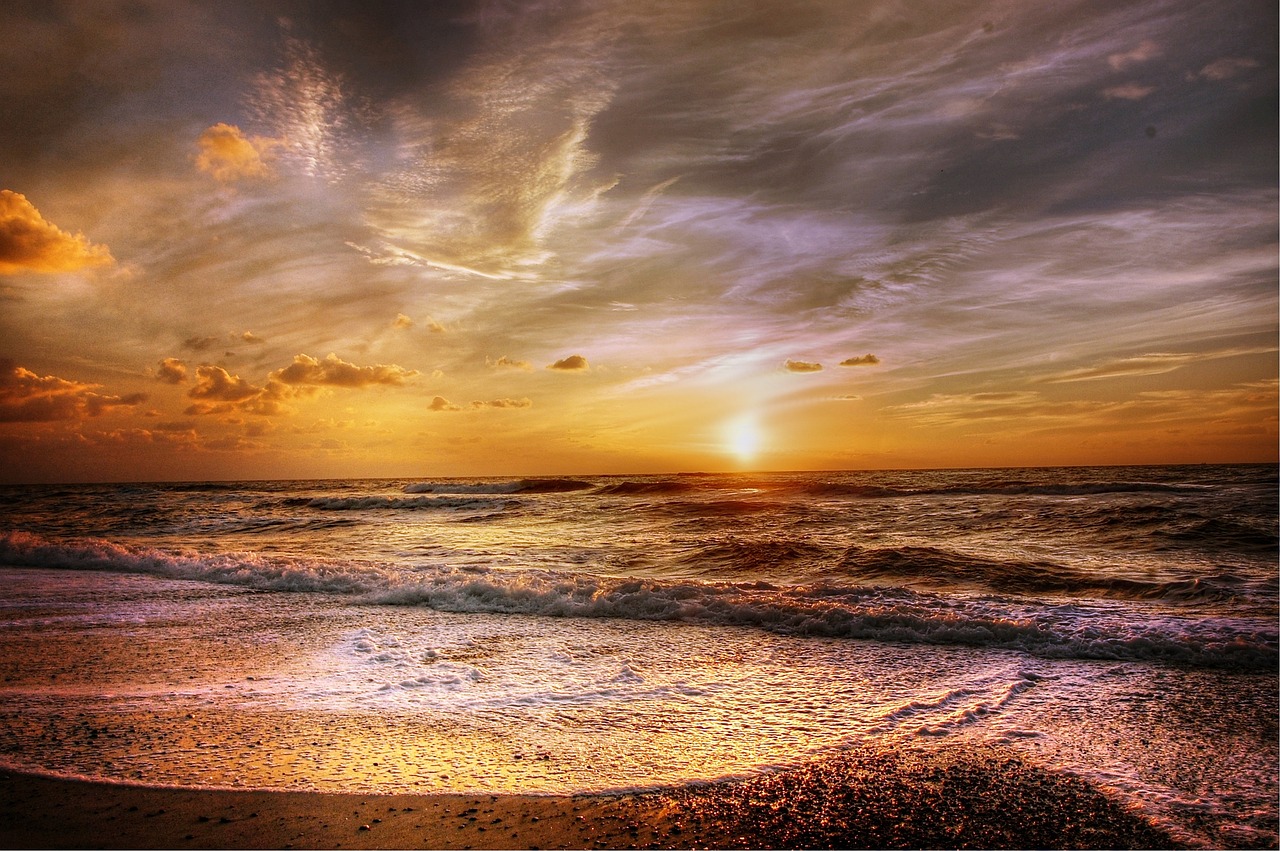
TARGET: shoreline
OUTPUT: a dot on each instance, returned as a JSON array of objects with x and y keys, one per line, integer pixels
[{"x": 943, "y": 796}]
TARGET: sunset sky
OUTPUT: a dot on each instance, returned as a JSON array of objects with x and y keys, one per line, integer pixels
[{"x": 317, "y": 239}]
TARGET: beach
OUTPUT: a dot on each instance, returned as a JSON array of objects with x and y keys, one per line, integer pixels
[{"x": 944, "y": 797}]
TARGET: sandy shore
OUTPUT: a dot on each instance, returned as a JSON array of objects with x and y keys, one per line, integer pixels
[{"x": 939, "y": 797}]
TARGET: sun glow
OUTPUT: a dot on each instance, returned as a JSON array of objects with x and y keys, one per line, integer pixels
[{"x": 742, "y": 438}]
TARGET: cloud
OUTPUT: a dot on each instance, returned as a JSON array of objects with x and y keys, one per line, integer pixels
[
  {"x": 439, "y": 403},
  {"x": 434, "y": 327},
  {"x": 227, "y": 155},
  {"x": 1144, "y": 52},
  {"x": 503, "y": 403},
  {"x": 29, "y": 243},
  {"x": 214, "y": 383},
  {"x": 1152, "y": 363},
  {"x": 864, "y": 360},
  {"x": 200, "y": 344},
  {"x": 1225, "y": 69},
  {"x": 172, "y": 371},
  {"x": 1127, "y": 91},
  {"x": 491, "y": 179},
  {"x": 505, "y": 362},
  {"x": 402, "y": 321},
  {"x": 28, "y": 397},
  {"x": 802, "y": 366},
  {"x": 573, "y": 363},
  {"x": 335, "y": 372},
  {"x": 321, "y": 119},
  {"x": 251, "y": 338}
]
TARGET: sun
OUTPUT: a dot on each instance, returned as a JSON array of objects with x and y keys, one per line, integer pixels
[{"x": 742, "y": 438}]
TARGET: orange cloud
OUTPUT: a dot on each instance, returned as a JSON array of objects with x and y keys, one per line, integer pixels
[
  {"x": 199, "y": 344},
  {"x": 29, "y": 243},
  {"x": 503, "y": 403},
  {"x": 573, "y": 363},
  {"x": 802, "y": 366},
  {"x": 335, "y": 372},
  {"x": 228, "y": 155},
  {"x": 440, "y": 403},
  {"x": 28, "y": 397},
  {"x": 172, "y": 371},
  {"x": 505, "y": 362},
  {"x": 865, "y": 360},
  {"x": 214, "y": 382}
]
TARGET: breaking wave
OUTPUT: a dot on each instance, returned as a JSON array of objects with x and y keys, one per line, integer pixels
[{"x": 818, "y": 609}]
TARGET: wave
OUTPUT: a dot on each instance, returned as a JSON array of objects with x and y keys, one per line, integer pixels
[
  {"x": 1221, "y": 534},
  {"x": 945, "y": 567},
  {"x": 719, "y": 507},
  {"x": 819, "y": 609},
  {"x": 730, "y": 554},
  {"x": 399, "y": 503},
  {"x": 513, "y": 486},
  {"x": 996, "y": 488},
  {"x": 645, "y": 488}
]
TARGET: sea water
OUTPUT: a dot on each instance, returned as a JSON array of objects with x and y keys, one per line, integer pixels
[{"x": 601, "y": 633}]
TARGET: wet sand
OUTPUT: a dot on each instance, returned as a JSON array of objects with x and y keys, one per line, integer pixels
[{"x": 936, "y": 797}]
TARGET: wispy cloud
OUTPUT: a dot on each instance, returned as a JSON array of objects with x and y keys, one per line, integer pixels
[{"x": 1154, "y": 363}]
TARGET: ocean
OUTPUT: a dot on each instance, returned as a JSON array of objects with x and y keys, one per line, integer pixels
[{"x": 607, "y": 633}]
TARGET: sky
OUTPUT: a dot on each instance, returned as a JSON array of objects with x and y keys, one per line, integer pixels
[{"x": 273, "y": 239}]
